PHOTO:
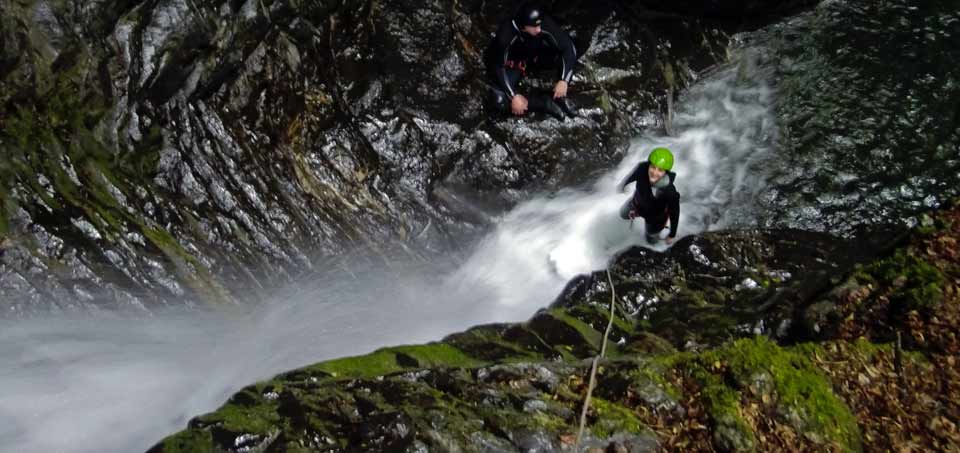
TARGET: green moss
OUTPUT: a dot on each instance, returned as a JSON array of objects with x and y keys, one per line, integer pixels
[
  {"x": 7, "y": 207},
  {"x": 142, "y": 164},
  {"x": 514, "y": 353},
  {"x": 655, "y": 370},
  {"x": 723, "y": 404},
  {"x": 611, "y": 418},
  {"x": 693, "y": 297},
  {"x": 605, "y": 104},
  {"x": 549, "y": 422},
  {"x": 800, "y": 387},
  {"x": 59, "y": 127},
  {"x": 260, "y": 418},
  {"x": 391, "y": 360},
  {"x": 597, "y": 315},
  {"x": 247, "y": 412},
  {"x": 196, "y": 276},
  {"x": 722, "y": 401},
  {"x": 862, "y": 346},
  {"x": 509, "y": 352},
  {"x": 589, "y": 334},
  {"x": 56, "y": 124},
  {"x": 917, "y": 284},
  {"x": 487, "y": 343},
  {"x": 187, "y": 441},
  {"x": 436, "y": 355},
  {"x": 927, "y": 226}
]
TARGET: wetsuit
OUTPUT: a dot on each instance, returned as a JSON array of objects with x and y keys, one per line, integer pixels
[
  {"x": 654, "y": 203},
  {"x": 512, "y": 53}
]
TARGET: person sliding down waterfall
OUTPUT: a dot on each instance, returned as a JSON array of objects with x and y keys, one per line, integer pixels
[
  {"x": 530, "y": 41},
  {"x": 655, "y": 198}
]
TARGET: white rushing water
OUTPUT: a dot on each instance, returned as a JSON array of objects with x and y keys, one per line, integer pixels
[{"x": 116, "y": 383}]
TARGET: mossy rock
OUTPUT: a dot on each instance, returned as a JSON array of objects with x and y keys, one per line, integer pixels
[
  {"x": 917, "y": 284},
  {"x": 803, "y": 394},
  {"x": 394, "y": 359},
  {"x": 647, "y": 343},
  {"x": 489, "y": 343},
  {"x": 566, "y": 333}
]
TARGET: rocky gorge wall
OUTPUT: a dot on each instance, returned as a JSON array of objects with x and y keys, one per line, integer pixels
[
  {"x": 174, "y": 152},
  {"x": 171, "y": 152}
]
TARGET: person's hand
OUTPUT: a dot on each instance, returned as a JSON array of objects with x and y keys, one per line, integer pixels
[
  {"x": 518, "y": 105},
  {"x": 670, "y": 240},
  {"x": 560, "y": 89}
]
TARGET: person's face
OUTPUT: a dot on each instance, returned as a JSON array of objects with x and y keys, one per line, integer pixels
[
  {"x": 532, "y": 30},
  {"x": 655, "y": 173}
]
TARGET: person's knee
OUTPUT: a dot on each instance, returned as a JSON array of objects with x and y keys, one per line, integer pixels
[{"x": 656, "y": 225}]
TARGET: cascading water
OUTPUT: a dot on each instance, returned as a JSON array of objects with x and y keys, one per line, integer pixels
[
  {"x": 725, "y": 131},
  {"x": 116, "y": 383}
]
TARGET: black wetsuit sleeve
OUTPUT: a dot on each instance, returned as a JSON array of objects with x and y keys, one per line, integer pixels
[
  {"x": 501, "y": 50},
  {"x": 673, "y": 207},
  {"x": 633, "y": 176},
  {"x": 561, "y": 40}
]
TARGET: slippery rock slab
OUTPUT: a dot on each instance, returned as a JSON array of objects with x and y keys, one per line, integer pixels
[{"x": 717, "y": 285}]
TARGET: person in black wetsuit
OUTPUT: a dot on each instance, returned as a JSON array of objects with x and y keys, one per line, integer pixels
[
  {"x": 530, "y": 41},
  {"x": 655, "y": 198}
]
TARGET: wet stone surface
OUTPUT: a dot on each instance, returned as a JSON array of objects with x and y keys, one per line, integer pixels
[
  {"x": 868, "y": 95},
  {"x": 721, "y": 285},
  {"x": 218, "y": 150},
  {"x": 519, "y": 387},
  {"x": 224, "y": 150}
]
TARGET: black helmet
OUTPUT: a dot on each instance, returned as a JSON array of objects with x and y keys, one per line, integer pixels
[{"x": 528, "y": 15}]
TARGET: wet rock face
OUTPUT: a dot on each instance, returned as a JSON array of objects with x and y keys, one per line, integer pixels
[
  {"x": 510, "y": 387},
  {"x": 870, "y": 131},
  {"x": 511, "y": 407},
  {"x": 720, "y": 285},
  {"x": 167, "y": 152}
]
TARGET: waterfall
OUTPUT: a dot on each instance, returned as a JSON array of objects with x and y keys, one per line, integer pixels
[{"x": 112, "y": 382}]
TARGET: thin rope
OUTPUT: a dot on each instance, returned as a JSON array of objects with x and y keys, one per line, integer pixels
[{"x": 596, "y": 360}]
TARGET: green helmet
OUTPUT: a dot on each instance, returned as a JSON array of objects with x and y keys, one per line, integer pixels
[{"x": 662, "y": 158}]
